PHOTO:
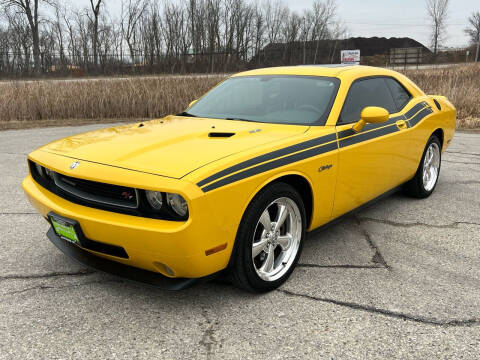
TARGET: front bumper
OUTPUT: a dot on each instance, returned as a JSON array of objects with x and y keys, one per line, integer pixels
[
  {"x": 151, "y": 244},
  {"x": 117, "y": 269}
]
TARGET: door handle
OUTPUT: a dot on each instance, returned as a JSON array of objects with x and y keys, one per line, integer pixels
[{"x": 401, "y": 124}]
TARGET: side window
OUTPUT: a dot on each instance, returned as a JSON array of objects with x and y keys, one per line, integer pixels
[
  {"x": 400, "y": 95},
  {"x": 363, "y": 93}
]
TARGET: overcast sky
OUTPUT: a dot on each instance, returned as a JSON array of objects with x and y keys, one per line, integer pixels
[{"x": 388, "y": 18}]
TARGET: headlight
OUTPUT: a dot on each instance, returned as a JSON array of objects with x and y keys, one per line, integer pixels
[
  {"x": 49, "y": 173},
  {"x": 155, "y": 199},
  {"x": 172, "y": 206},
  {"x": 177, "y": 203},
  {"x": 39, "y": 169}
]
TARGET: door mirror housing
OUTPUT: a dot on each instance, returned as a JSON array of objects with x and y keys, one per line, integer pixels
[
  {"x": 192, "y": 103},
  {"x": 373, "y": 115}
]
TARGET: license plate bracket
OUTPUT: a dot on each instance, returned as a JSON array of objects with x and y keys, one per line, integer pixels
[{"x": 65, "y": 228}]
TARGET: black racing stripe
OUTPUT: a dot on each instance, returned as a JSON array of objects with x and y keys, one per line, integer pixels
[
  {"x": 390, "y": 121},
  {"x": 272, "y": 165},
  {"x": 269, "y": 156},
  {"x": 350, "y": 132},
  {"x": 415, "y": 109},
  {"x": 345, "y": 133},
  {"x": 368, "y": 135},
  {"x": 381, "y": 129},
  {"x": 419, "y": 117}
]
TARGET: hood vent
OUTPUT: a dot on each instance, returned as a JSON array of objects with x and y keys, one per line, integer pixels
[{"x": 220, "y": 134}]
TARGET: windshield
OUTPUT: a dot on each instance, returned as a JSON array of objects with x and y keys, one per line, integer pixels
[{"x": 303, "y": 100}]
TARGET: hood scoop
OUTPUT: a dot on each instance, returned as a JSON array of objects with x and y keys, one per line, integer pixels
[{"x": 220, "y": 134}]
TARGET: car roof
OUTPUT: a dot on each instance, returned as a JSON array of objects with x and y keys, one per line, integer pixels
[{"x": 329, "y": 70}]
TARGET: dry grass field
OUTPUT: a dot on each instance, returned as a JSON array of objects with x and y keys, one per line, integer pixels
[
  {"x": 460, "y": 84},
  {"x": 40, "y": 103},
  {"x": 60, "y": 102}
]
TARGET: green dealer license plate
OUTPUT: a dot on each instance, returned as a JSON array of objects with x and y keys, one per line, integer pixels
[{"x": 64, "y": 229}]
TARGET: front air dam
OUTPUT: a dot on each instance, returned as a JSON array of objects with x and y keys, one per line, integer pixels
[{"x": 124, "y": 271}]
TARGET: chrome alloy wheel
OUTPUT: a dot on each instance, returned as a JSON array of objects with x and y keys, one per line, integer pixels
[
  {"x": 276, "y": 239},
  {"x": 431, "y": 166}
]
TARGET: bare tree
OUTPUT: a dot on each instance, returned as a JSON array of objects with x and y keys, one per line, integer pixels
[
  {"x": 275, "y": 12},
  {"x": 259, "y": 30},
  {"x": 95, "y": 5},
  {"x": 132, "y": 11},
  {"x": 291, "y": 30},
  {"x": 338, "y": 33},
  {"x": 213, "y": 24},
  {"x": 20, "y": 41},
  {"x": 58, "y": 29},
  {"x": 82, "y": 39},
  {"x": 305, "y": 28},
  {"x": 323, "y": 13},
  {"x": 473, "y": 30},
  {"x": 437, "y": 10},
  {"x": 30, "y": 9}
]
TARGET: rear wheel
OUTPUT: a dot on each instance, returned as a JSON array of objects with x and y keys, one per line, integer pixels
[
  {"x": 269, "y": 239},
  {"x": 425, "y": 180}
]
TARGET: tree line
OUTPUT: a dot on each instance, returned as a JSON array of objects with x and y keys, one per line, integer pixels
[
  {"x": 41, "y": 36},
  {"x": 148, "y": 36}
]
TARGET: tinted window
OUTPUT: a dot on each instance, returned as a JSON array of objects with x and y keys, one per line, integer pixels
[
  {"x": 400, "y": 95},
  {"x": 363, "y": 93},
  {"x": 270, "y": 99}
]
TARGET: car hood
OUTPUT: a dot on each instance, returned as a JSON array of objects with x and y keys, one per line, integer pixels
[{"x": 173, "y": 146}]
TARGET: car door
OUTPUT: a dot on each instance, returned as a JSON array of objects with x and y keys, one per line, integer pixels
[{"x": 372, "y": 161}]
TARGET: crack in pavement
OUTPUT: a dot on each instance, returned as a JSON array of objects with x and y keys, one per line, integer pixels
[
  {"x": 460, "y": 162},
  {"x": 377, "y": 257},
  {"x": 58, "y": 288},
  {"x": 346, "y": 266},
  {"x": 46, "y": 275},
  {"x": 18, "y": 213},
  {"x": 463, "y": 153},
  {"x": 102, "y": 281},
  {"x": 385, "y": 312},
  {"x": 40, "y": 287},
  {"x": 466, "y": 182},
  {"x": 453, "y": 225},
  {"x": 208, "y": 340},
  {"x": 10, "y": 153}
]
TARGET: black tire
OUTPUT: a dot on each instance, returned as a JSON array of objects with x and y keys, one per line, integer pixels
[
  {"x": 242, "y": 270},
  {"x": 415, "y": 187}
]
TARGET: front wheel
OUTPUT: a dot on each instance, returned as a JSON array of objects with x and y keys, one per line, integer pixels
[
  {"x": 269, "y": 239},
  {"x": 428, "y": 172}
]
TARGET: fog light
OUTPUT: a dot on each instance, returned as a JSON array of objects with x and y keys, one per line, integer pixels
[{"x": 164, "y": 269}]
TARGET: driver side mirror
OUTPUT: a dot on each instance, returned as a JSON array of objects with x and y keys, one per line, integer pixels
[
  {"x": 192, "y": 103},
  {"x": 371, "y": 114}
]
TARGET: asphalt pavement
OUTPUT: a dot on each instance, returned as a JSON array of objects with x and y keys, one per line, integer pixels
[{"x": 398, "y": 280}]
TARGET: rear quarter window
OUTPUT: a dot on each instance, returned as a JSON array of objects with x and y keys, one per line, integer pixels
[{"x": 400, "y": 95}]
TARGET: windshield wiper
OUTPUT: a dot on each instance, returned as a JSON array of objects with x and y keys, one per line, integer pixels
[
  {"x": 239, "y": 119},
  {"x": 186, "y": 114}
]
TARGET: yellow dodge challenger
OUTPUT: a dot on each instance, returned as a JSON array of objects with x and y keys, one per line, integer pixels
[{"x": 234, "y": 183}]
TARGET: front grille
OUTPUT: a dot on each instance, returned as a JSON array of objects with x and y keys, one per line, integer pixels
[
  {"x": 108, "y": 194},
  {"x": 89, "y": 193}
]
